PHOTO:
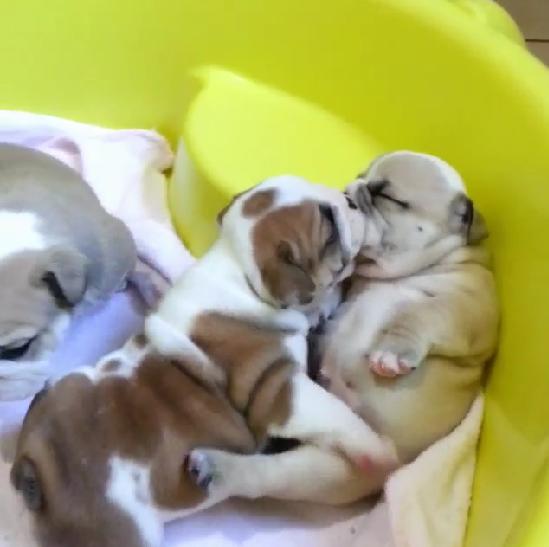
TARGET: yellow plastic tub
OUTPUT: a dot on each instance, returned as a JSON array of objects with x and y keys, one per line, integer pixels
[{"x": 258, "y": 87}]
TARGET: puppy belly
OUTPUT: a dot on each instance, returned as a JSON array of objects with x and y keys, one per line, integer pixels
[
  {"x": 417, "y": 409},
  {"x": 352, "y": 335}
]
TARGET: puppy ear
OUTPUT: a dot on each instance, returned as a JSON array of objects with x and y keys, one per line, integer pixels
[
  {"x": 225, "y": 209},
  {"x": 464, "y": 218},
  {"x": 63, "y": 272},
  {"x": 26, "y": 480}
]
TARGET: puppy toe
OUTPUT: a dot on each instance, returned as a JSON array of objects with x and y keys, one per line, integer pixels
[
  {"x": 200, "y": 468},
  {"x": 383, "y": 459},
  {"x": 384, "y": 364},
  {"x": 404, "y": 366}
]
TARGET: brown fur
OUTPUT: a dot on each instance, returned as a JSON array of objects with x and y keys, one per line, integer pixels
[
  {"x": 289, "y": 245},
  {"x": 258, "y": 203},
  {"x": 256, "y": 363},
  {"x": 158, "y": 415}
]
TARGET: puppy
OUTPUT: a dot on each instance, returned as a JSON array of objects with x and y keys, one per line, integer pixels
[
  {"x": 407, "y": 350},
  {"x": 60, "y": 250},
  {"x": 174, "y": 420},
  {"x": 284, "y": 249}
]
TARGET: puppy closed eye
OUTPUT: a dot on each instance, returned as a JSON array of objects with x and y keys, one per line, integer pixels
[
  {"x": 16, "y": 351},
  {"x": 379, "y": 189},
  {"x": 286, "y": 255},
  {"x": 26, "y": 480}
]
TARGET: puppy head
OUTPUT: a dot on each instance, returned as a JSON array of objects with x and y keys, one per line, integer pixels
[
  {"x": 61, "y": 470},
  {"x": 420, "y": 203},
  {"x": 103, "y": 450},
  {"x": 294, "y": 239},
  {"x": 38, "y": 289}
]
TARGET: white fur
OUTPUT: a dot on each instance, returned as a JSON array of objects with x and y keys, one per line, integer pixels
[
  {"x": 21, "y": 233},
  {"x": 404, "y": 160},
  {"x": 25, "y": 378},
  {"x": 129, "y": 489}
]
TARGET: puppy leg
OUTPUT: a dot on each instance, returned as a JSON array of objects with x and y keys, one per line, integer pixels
[
  {"x": 446, "y": 328},
  {"x": 149, "y": 284},
  {"x": 319, "y": 418},
  {"x": 307, "y": 473}
]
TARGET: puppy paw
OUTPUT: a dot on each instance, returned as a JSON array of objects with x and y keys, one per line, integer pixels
[
  {"x": 395, "y": 355},
  {"x": 149, "y": 284},
  {"x": 366, "y": 449},
  {"x": 388, "y": 364},
  {"x": 385, "y": 460},
  {"x": 214, "y": 471},
  {"x": 200, "y": 469}
]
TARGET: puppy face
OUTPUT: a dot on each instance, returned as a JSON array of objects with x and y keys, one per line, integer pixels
[
  {"x": 61, "y": 470},
  {"x": 100, "y": 453},
  {"x": 37, "y": 289},
  {"x": 420, "y": 203},
  {"x": 296, "y": 240}
]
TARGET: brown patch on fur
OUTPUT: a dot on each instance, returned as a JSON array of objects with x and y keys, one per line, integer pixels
[
  {"x": 258, "y": 203},
  {"x": 56, "y": 447},
  {"x": 271, "y": 399},
  {"x": 288, "y": 248},
  {"x": 257, "y": 365},
  {"x": 156, "y": 416},
  {"x": 140, "y": 340},
  {"x": 111, "y": 366}
]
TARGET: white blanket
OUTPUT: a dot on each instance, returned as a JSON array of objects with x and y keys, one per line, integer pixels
[{"x": 125, "y": 168}]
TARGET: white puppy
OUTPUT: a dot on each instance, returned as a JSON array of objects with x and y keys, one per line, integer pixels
[{"x": 407, "y": 350}]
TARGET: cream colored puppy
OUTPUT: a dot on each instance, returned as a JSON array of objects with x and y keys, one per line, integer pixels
[{"x": 407, "y": 350}]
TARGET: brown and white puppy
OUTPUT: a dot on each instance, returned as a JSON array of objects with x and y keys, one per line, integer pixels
[
  {"x": 59, "y": 251},
  {"x": 407, "y": 350},
  {"x": 101, "y": 457}
]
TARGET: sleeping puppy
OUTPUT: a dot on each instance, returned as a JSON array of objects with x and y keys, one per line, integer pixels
[
  {"x": 108, "y": 453},
  {"x": 408, "y": 348},
  {"x": 59, "y": 250},
  {"x": 284, "y": 248}
]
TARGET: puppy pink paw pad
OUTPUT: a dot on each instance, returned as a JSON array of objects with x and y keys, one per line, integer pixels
[{"x": 388, "y": 365}]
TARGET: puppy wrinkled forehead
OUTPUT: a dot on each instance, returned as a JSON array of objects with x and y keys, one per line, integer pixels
[
  {"x": 286, "y": 190},
  {"x": 415, "y": 169}
]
